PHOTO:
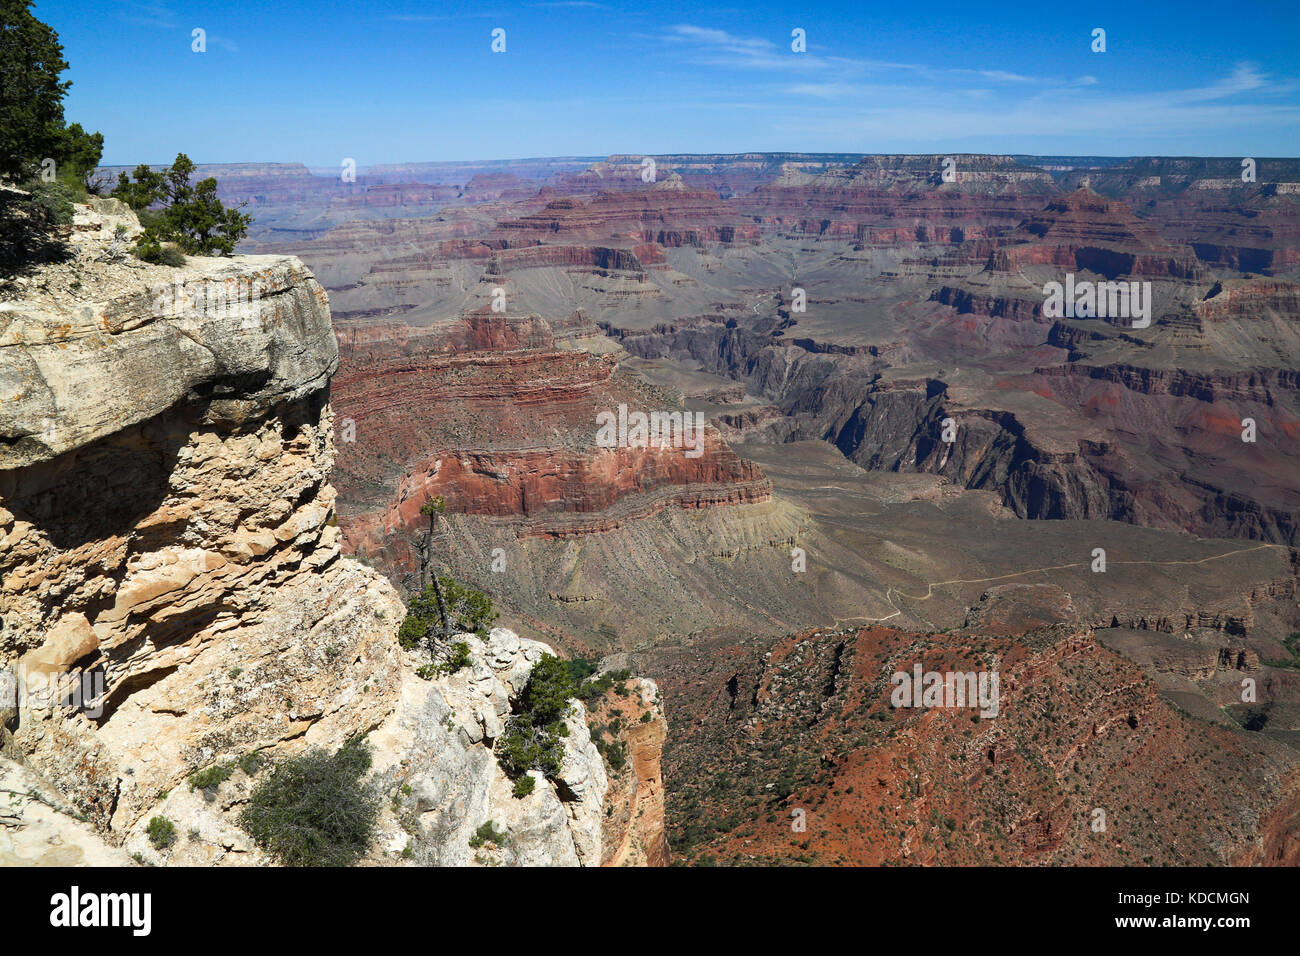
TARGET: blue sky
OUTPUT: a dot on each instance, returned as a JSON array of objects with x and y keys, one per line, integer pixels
[{"x": 399, "y": 81}]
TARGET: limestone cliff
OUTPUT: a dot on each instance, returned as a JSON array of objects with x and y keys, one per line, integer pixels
[{"x": 172, "y": 593}]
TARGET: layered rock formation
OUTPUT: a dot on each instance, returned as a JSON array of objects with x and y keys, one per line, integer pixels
[
  {"x": 668, "y": 213},
  {"x": 507, "y": 428},
  {"x": 38, "y": 828},
  {"x": 944, "y": 455},
  {"x": 887, "y": 200},
  {"x": 634, "y": 826}
]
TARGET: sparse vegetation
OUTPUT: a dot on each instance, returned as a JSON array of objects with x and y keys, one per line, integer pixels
[
  {"x": 161, "y": 832},
  {"x": 212, "y": 777},
  {"x": 468, "y": 611},
  {"x": 487, "y": 833},
  {"x": 532, "y": 738},
  {"x": 188, "y": 214},
  {"x": 599, "y": 686},
  {"x": 313, "y": 810},
  {"x": 1292, "y": 645}
]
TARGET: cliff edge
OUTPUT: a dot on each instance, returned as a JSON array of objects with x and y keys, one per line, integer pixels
[{"x": 172, "y": 591}]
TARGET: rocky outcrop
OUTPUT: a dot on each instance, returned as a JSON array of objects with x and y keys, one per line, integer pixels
[
  {"x": 435, "y": 754},
  {"x": 796, "y": 753},
  {"x": 1087, "y": 231},
  {"x": 1249, "y": 299},
  {"x": 897, "y": 200},
  {"x": 437, "y": 777},
  {"x": 668, "y": 213},
  {"x": 1204, "y": 203},
  {"x": 634, "y": 817},
  {"x": 37, "y": 828},
  {"x": 169, "y": 533},
  {"x": 172, "y": 593}
]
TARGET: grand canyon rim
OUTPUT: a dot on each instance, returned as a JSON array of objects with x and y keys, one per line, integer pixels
[{"x": 865, "y": 468}]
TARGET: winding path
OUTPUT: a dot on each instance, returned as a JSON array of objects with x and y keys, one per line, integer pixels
[{"x": 929, "y": 590}]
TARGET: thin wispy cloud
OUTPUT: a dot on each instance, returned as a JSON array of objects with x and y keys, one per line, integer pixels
[
  {"x": 717, "y": 47},
  {"x": 148, "y": 14},
  {"x": 925, "y": 102},
  {"x": 903, "y": 112}
]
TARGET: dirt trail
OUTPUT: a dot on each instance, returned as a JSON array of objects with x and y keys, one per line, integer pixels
[{"x": 929, "y": 590}]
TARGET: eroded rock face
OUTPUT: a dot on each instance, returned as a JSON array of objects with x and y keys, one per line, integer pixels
[
  {"x": 634, "y": 826},
  {"x": 168, "y": 528},
  {"x": 38, "y": 829},
  {"x": 434, "y": 772},
  {"x": 509, "y": 432},
  {"x": 245, "y": 335},
  {"x": 1079, "y": 728},
  {"x": 435, "y": 756}
]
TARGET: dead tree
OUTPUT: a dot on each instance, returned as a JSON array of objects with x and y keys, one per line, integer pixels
[{"x": 433, "y": 509}]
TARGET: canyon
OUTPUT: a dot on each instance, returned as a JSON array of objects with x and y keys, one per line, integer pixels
[
  {"x": 908, "y": 460},
  {"x": 907, "y": 452}
]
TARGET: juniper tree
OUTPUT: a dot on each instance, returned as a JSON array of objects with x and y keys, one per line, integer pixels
[
  {"x": 191, "y": 215},
  {"x": 31, "y": 93}
]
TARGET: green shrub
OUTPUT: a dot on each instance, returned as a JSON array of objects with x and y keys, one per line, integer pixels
[
  {"x": 614, "y": 752},
  {"x": 546, "y": 696},
  {"x": 447, "y": 660},
  {"x": 50, "y": 203},
  {"x": 251, "y": 762},
  {"x": 149, "y": 249},
  {"x": 487, "y": 833},
  {"x": 525, "y": 747},
  {"x": 525, "y": 785},
  {"x": 162, "y": 833},
  {"x": 191, "y": 215},
  {"x": 533, "y": 736},
  {"x": 209, "y": 778},
  {"x": 313, "y": 810},
  {"x": 580, "y": 668},
  {"x": 597, "y": 687},
  {"x": 468, "y": 611}
]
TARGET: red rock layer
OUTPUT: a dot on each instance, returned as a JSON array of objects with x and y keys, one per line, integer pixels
[
  {"x": 808, "y": 733},
  {"x": 1246, "y": 299},
  {"x": 1084, "y": 230},
  {"x": 504, "y": 424},
  {"x": 888, "y": 200},
  {"x": 668, "y": 213}
]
